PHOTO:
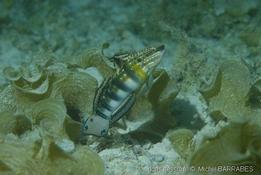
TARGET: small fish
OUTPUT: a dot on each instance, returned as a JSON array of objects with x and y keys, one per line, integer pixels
[{"x": 117, "y": 94}]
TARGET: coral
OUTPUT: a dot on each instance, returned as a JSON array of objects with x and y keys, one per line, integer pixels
[
  {"x": 232, "y": 96},
  {"x": 181, "y": 139},
  {"x": 29, "y": 79},
  {"x": 75, "y": 83},
  {"x": 227, "y": 95},
  {"x": 28, "y": 83},
  {"x": 14, "y": 123},
  {"x": 72, "y": 129},
  {"x": 57, "y": 70},
  {"x": 92, "y": 58},
  {"x": 43, "y": 105},
  {"x": 53, "y": 159},
  {"x": 49, "y": 114},
  {"x": 236, "y": 144},
  {"x": 34, "y": 83}
]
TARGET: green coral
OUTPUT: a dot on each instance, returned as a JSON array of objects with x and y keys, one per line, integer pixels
[
  {"x": 234, "y": 97},
  {"x": 235, "y": 145},
  {"x": 228, "y": 93},
  {"x": 43, "y": 105},
  {"x": 43, "y": 156},
  {"x": 181, "y": 140},
  {"x": 14, "y": 123}
]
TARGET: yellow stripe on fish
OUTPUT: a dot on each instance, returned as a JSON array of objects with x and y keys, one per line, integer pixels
[{"x": 139, "y": 71}]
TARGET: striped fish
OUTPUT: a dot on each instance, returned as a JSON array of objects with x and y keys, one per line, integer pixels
[{"x": 117, "y": 94}]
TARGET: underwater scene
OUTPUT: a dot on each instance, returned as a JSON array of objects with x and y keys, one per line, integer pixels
[{"x": 130, "y": 87}]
